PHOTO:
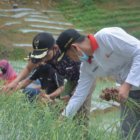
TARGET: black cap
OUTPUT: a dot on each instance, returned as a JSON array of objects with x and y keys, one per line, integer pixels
[
  {"x": 42, "y": 43},
  {"x": 65, "y": 40}
]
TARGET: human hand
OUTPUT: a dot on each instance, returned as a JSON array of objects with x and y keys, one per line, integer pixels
[
  {"x": 10, "y": 87},
  {"x": 123, "y": 92},
  {"x": 44, "y": 95},
  {"x": 66, "y": 98},
  {"x": 62, "y": 118},
  {"x": 2, "y": 87}
]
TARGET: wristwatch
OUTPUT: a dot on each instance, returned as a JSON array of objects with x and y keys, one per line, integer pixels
[{"x": 70, "y": 94}]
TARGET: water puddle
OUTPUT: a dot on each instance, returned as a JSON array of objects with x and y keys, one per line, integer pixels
[
  {"x": 46, "y": 21},
  {"x": 36, "y": 13},
  {"x": 17, "y": 10},
  {"x": 48, "y": 27},
  {"x": 56, "y": 16},
  {"x": 100, "y": 105},
  {"x": 79, "y": 30},
  {"x": 50, "y": 11},
  {"x": 114, "y": 103},
  {"x": 29, "y": 30},
  {"x": 37, "y": 16},
  {"x": 53, "y": 27},
  {"x": 19, "y": 15},
  {"x": 22, "y": 45},
  {"x": 10, "y": 23}
]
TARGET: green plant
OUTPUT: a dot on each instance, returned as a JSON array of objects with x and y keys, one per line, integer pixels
[
  {"x": 15, "y": 31},
  {"x": 22, "y": 120},
  {"x": 19, "y": 53},
  {"x": 88, "y": 16}
]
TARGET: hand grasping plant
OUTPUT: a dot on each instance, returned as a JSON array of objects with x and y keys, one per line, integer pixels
[{"x": 113, "y": 94}]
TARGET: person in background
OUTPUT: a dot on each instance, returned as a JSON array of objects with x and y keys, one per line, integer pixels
[
  {"x": 8, "y": 74},
  {"x": 50, "y": 80}
]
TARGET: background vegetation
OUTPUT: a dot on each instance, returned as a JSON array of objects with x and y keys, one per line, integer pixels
[{"x": 93, "y": 15}]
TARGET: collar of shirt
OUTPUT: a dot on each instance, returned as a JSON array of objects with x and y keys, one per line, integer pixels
[{"x": 93, "y": 44}]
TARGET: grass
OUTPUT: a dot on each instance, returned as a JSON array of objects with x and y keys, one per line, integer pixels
[
  {"x": 22, "y": 120},
  {"x": 89, "y": 15},
  {"x": 16, "y": 53}
]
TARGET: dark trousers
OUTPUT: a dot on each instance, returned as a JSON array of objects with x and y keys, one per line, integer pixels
[
  {"x": 130, "y": 122},
  {"x": 31, "y": 93}
]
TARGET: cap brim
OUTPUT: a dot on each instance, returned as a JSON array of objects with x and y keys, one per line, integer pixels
[
  {"x": 39, "y": 54},
  {"x": 62, "y": 57},
  {"x": 27, "y": 59}
]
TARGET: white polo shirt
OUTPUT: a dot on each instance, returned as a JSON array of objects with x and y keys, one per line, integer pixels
[{"x": 118, "y": 55}]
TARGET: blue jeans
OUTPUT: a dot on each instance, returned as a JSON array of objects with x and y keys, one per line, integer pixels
[{"x": 31, "y": 93}]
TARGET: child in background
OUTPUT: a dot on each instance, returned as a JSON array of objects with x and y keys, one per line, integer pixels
[{"x": 8, "y": 74}]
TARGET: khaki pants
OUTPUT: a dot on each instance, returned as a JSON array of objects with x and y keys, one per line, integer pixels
[{"x": 84, "y": 110}]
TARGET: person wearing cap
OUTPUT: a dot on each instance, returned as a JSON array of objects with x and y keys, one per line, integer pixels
[
  {"x": 66, "y": 68},
  {"x": 50, "y": 80},
  {"x": 45, "y": 49},
  {"x": 110, "y": 52}
]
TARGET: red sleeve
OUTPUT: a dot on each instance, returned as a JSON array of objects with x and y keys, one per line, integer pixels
[
  {"x": 0, "y": 74},
  {"x": 10, "y": 80}
]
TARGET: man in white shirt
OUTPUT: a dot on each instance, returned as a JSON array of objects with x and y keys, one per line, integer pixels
[{"x": 110, "y": 52}]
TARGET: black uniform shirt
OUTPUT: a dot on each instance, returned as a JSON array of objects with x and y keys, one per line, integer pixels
[{"x": 50, "y": 80}]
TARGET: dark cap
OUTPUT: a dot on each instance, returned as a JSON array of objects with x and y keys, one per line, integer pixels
[
  {"x": 42, "y": 43},
  {"x": 65, "y": 40}
]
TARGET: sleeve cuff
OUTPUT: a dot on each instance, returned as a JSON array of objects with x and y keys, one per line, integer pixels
[
  {"x": 66, "y": 115},
  {"x": 132, "y": 82}
]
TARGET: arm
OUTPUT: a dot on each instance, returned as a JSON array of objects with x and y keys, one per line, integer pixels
[
  {"x": 37, "y": 87},
  {"x": 24, "y": 83},
  {"x": 33, "y": 76},
  {"x": 24, "y": 73},
  {"x": 10, "y": 80},
  {"x": 56, "y": 93},
  {"x": 59, "y": 82},
  {"x": 84, "y": 84}
]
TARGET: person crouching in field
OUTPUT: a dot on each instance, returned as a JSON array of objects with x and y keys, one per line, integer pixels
[
  {"x": 50, "y": 80},
  {"x": 8, "y": 74}
]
